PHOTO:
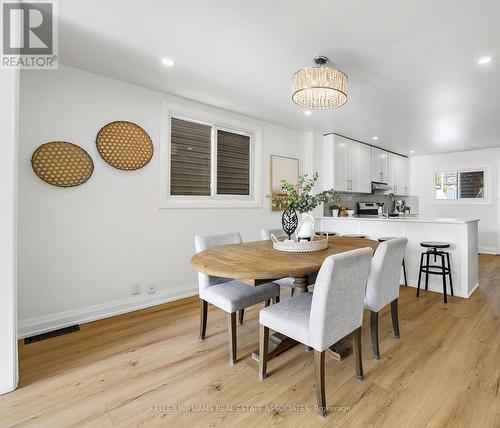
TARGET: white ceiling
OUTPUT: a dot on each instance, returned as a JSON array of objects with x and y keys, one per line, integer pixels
[{"x": 414, "y": 80}]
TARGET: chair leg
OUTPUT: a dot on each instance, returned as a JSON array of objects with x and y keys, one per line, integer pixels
[
  {"x": 374, "y": 334},
  {"x": 319, "y": 379},
  {"x": 292, "y": 292},
  {"x": 263, "y": 347},
  {"x": 449, "y": 270},
  {"x": 445, "y": 297},
  {"x": 276, "y": 300},
  {"x": 404, "y": 273},
  {"x": 394, "y": 316},
  {"x": 427, "y": 272},
  {"x": 242, "y": 314},
  {"x": 356, "y": 349},
  {"x": 420, "y": 273},
  {"x": 232, "y": 337},
  {"x": 203, "y": 318}
]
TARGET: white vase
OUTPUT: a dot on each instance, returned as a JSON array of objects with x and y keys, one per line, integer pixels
[
  {"x": 335, "y": 212},
  {"x": 306, "y": 229}
]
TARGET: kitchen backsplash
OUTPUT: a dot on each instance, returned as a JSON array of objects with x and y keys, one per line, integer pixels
[{"x": 351, "y": 200}]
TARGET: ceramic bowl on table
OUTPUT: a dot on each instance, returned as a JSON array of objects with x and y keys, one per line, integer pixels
[{"x": 350, "y": 213}]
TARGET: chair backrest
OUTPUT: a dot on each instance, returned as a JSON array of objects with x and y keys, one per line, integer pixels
[
  {"x": 338, "y": 297},
  {"x": 204, "y": 242},
  {"x": 265, "y": 234},
  {"x": 385, "y": 274}
]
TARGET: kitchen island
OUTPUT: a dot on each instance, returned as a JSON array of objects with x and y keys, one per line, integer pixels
[{"x": 462, "y": 234}]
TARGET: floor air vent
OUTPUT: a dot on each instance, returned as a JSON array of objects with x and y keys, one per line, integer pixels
[{"x": 53, "y": 333}]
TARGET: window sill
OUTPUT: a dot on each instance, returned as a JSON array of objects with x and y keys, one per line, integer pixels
[
  {"x": 458, "y": 202},
  {"x": 213, "y": 203}
]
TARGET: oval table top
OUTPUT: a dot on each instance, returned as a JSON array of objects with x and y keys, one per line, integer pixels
[{"x": 256, "y": 262}]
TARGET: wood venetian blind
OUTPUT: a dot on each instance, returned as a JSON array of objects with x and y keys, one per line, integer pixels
[
  {"x": 472, "y": 184},
  {"x": 233, "y": 163},
  {"x": 190, "y": 146}
]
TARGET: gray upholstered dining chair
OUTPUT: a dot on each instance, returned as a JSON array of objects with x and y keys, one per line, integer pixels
[
  {"x": 382, "y": 287},
  {"x": 321, "y": 318},
  {"x": 227, "y": 294},
  {"x": 265, "y": 235}
]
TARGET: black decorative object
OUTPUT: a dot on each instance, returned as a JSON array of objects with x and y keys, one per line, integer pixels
[{"x": 289, "y": 221}]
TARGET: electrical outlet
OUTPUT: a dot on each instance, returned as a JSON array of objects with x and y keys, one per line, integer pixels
[
  {"x": 136, "y": 289},
  {"x": 152, "y": 289}
]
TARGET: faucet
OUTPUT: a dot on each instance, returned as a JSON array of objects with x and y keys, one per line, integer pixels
[{"x": 391, "y": 200}]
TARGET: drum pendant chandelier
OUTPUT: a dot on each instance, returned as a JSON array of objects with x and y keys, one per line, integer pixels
[{"x": 319, "y": 87}]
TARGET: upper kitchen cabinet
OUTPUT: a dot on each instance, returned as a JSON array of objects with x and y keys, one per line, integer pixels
[
  {"x": 380, "y": 165},
  {"x": 346, "y": 165},
  {"x": 399, "y": 174}
]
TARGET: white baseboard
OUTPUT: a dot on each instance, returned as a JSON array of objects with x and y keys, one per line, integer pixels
[
  {"x": 488, "y": 250},
  {"x": 37, "y": 325}
]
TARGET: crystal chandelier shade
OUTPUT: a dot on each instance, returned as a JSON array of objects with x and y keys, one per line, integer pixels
[{"x": 319, "y": 87}]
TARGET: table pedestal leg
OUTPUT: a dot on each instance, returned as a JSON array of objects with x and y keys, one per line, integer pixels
[
  {"x": 300, "y": 285},
  {"x": 278, "y": 343},
  {"x": 339, "y": 350}
]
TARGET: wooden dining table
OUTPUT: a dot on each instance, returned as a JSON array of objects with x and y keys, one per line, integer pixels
[{"x": 257, "y": 262}]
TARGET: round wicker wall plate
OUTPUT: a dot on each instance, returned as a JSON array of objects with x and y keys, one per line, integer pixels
[
  {"x": 124, "y": 145},
  {"x": 62, "y": 164}
]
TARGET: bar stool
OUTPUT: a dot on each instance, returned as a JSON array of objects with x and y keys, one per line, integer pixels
[
  {"x": 435, "y": 249},
  {"x": 387, "y": 238},
  {"x": 354, "y": 235}
]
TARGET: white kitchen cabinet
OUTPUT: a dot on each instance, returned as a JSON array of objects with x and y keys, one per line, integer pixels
[
  {"x": 399, "y": 173},
  {"x": 351, "y": 166},
  {"x": 380, "y": 165}
]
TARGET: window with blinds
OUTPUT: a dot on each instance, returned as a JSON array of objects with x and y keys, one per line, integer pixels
[
  {"x": 233, "y": 163},
  {"x": 190, "y": 158},
  {"x": 206, "y": 161},
  {"x": 454, "y": 185}
]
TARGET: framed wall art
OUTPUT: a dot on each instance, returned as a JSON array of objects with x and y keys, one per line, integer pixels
[{"x": 282, "y": 168}]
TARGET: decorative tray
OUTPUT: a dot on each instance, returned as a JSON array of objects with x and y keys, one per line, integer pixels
[{"x": 281, "y": 243}]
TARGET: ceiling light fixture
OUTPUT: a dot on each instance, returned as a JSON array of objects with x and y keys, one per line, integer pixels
[
  {"x": 168, "y": 62},
  {"x": 319, "y": 87},
  {"x": 484, "y": 60},
  {"x": 375, "y": 138},
  {"x": 308, "y": 112},
  {"x": 412, "y": 151}
]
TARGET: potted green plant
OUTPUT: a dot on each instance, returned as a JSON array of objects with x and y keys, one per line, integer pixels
[{"x": 300, "y": 198}]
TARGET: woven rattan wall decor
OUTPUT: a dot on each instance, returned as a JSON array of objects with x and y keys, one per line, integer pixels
[
  {"x": 62, "y": 164},
  {"x": 124, "y": 145}
]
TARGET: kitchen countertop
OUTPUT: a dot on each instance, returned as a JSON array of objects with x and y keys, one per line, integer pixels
[{"x": 412, "y": 219}]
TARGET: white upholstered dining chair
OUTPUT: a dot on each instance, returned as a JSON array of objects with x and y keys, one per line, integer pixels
[
  {"x": 265, "y": 235},
  {"x": 383, "y": 286},
  {"x": 227, "y": 294},
  {"x": 321, "y": 318}
]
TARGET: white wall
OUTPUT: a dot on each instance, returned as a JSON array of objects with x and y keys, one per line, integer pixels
[
  {"x": 9, "y": 86},
  {"x": 422, "y": 172},
  {"x": 81, "y": 249}
]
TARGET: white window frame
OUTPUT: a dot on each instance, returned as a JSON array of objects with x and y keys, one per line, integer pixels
[
  {"x": 463, "y": 201},
  {"x": 217, "y": 122}
]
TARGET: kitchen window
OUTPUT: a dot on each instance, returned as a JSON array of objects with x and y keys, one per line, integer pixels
[
  {"x": 208, "y": 161},
  {"x": 461, "y": 185}
]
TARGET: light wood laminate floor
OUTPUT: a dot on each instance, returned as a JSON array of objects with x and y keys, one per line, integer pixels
[{"x": 148, "y": 368}]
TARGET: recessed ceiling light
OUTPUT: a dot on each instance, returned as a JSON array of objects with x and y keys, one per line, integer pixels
[
  {"x": 375, "y": 138},
  {"x": 484, "y": 60},
  {"x": 308, "y": 112},
  {"x": 412, "y": 151},
  {"x": 168, "y": 62}
]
